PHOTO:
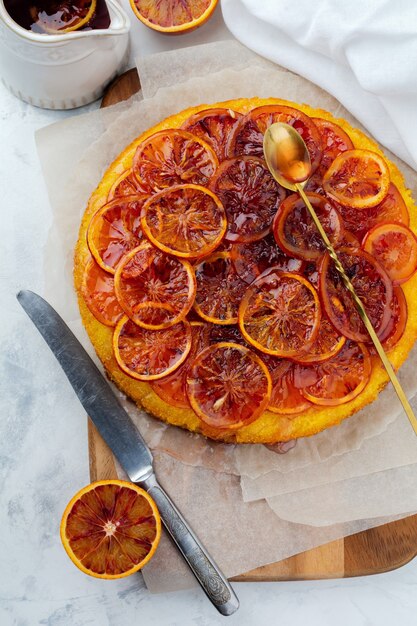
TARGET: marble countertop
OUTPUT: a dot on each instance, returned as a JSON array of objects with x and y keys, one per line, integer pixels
[{"x": 43, "y": 459}]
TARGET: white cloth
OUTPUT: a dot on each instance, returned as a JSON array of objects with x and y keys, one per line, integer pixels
[{"x": 363, "y": 52}]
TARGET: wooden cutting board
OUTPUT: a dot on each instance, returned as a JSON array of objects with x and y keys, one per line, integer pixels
[{"x": 370, "y": 552}]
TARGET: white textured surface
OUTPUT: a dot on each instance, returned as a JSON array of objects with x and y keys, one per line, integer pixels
[{"x": 43, "y": 452}]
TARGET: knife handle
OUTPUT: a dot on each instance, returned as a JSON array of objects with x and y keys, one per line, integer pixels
[{"x": 212, "y": 581}]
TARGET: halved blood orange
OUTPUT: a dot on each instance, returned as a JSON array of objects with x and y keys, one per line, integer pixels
[
  {"x": 285, "y": 399},
  {"x": 247, "y": 138},
  {"x": 111, "y": 529},
  {"x": 61, "y": 16},
  {"x": 372, "y": 285},
  {"x": 108, "y": 236},
  {"x": 188, "y": 221},
  {"x": 99, "y": 295},
  {"x": 280, "y": 314},
  {"x": 391, "y": 209},
  {"x": 125, "y": 185},
  {"x": 173, "y": 157},
  {"x": 396, "y": 326},
  {"x": 337, "y": 380},
  {"x": 295, "y": 231},
  {"x": 334, "y": 141},
  {"x": 228, "y": 385},
  {"x": 156, "y": 291},
  {"x": 172, "y": 388},
  {"x": 249, "y": 195},
  {"x": 219, "y": 289},
  {"x": 394, "y": 246},
  {"x": 327, "y": 344},
  {"x": 252, "y": 259},
  {"x": 357, "y": 178},
  {"x": 173, "y": 16},
  {"x": 215, "y": 127},
  {"x": 150, "y": 354}
]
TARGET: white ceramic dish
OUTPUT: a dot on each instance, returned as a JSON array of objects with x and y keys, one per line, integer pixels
[{"x": 62, "y": 71}]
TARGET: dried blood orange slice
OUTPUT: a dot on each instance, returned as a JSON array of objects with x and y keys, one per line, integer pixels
[
  {"x": 188, "y": 221},
  {"x": 327, "y": 344},
  {"x": 249, "y": 195},
  {"x": 173, "y": 16},
  {"x": 154, "y": 290},
  {"x": 99, "y": 295},
  {"x": 228, "y": 385},
  {"x": 394, "y": 246},
  {"x": 125, "y": 185},
  {"x": 247, "y": 138},
  {"x": 111, "y": 529},
  {"x": 108, "y": 236},
  {"x": 252, "y": 259},
  {"x": 357, "y": 178},
  {"x": 280, "y": 314},
  {"x": 219, "y": 289},
  {"x": 334, "y": 141},
  {"x": 215, "y": 127},
  {"x": 285, "y": 399},
  {"x": 371, "y": 284},
  {"x": 295, "y": 231},
  {"x": 172, "y": 388},
  {"x": 396, "y": 326},
  {"x": 337, "y": 380},
  {"x": 150, "y": 354},
  {"x": 61, "y": 16},
  {"x": 173, "y": 157}
]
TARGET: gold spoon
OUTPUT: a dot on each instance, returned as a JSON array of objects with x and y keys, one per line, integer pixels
[{"x": 289, "y": 162}]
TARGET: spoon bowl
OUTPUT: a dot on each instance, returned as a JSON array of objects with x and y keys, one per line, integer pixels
[{"x": 287, "y": 156}]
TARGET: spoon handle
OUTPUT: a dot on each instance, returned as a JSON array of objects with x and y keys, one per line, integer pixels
[{"x": 361, "y": 310}]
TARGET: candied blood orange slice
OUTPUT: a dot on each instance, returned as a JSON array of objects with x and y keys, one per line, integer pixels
[
  {"x": 327, "y": 344},
  {"x": 247, "y": 138},
  {"x": 295, "y": 231},
  {"x": 150, "y": 354},
  {"x": 396, "y": 326},
  {"x": 219, "y": 289},
  {"x": 154, "y": 290},
  {"x": 337, "y": 380},
  {"x": 111, "y": 529},
  {"x": 173, "y": 16},
  {"x": 215, "y": 127},
  {"x": 99, "y": 295},
  {"x": 172, "y": 388},
  {"x": 228, "y": 385},
  {"x": 371, "y": 284},
  {"x": 334, "y": 141},
  {"x": 249, "y": 195},
  {"x": 109, "y": 237},
  {"x": 187, "y": 221},
  {"x": 394, "y": 246},
  {"x": 125, "y": 185},
  {"x": 252, "y": 259},
  {"x": 285, "y": 399},
  {"x": 61, "y": 16},
  {"x": 280, "y": 314},
  {"x": 357, "y": 178},
  {"x": 173, "y": 157}
]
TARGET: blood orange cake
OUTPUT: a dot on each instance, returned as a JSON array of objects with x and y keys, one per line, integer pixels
[{"x": 207, "y": 292}]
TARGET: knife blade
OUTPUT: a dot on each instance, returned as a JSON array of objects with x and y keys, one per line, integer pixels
[{"x": 126, "y": 442}]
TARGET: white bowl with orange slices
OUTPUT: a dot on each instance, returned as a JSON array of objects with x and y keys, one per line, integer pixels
[{"x": 207, "y": 292}]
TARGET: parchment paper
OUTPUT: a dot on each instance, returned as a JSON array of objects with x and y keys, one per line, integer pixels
[{"x": 74, "y": 155}]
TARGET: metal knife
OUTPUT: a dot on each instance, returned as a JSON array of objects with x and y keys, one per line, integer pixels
[{"x": 126, "y": 442}]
